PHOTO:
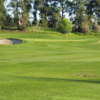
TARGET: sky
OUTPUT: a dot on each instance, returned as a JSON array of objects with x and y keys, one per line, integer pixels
[{"x": 7, "y": 1}]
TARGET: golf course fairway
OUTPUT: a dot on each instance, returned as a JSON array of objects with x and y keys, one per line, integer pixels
[{"x": 50, "y": 67}]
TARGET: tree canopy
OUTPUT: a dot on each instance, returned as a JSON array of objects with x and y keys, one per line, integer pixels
[{"x": 50, "y": 12}]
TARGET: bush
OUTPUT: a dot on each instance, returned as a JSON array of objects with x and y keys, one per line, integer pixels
[
  {"x": 85, "y": 29},
  {"x": 65, "y": 25},
  {"x": 92, "y": 33},
  {"x": 24, "y": 21},
  {"x": 74, "y": 29},
  {"x": 96, "y": 27},
  {"x": 23, "y": 24}
]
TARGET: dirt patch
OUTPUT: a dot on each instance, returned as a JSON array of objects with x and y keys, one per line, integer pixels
[
  {"x": 90, "y": 76},
  {"x": 10, "y": 41}
]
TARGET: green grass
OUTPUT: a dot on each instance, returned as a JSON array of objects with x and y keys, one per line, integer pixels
[
  {"x": 38, "y": 29},
  {"x": 50, "y": 67}
]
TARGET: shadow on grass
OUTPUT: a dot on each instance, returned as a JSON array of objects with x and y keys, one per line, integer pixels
[{"x": 59, "y": 80}]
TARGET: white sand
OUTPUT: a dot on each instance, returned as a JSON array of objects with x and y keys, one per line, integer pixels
[{"x": 10, "y": 41}]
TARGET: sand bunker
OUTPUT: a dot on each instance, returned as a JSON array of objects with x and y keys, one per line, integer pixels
[{"x": 10, "y": 41}]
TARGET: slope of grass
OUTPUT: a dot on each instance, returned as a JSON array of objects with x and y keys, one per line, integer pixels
[
  {"x": 38, "y": 29},
  {"x": 50, "y": 67}
]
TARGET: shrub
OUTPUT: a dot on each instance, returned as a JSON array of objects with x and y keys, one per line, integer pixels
[
  {"x": 85, "y": 29},
  {"x": 96, "y": 27},
  {"x": 65, "y": 25},
  {"x": 92, "y": 33},
  {"x": 24, "y": 21},
  {"x": 74, "y": 29},
  {"x": 23, "y": 24}
]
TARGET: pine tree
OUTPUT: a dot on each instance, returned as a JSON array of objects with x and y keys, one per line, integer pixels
[
  {"x": 28, "y": 4},
  {"x": 63, "y": 6},
  {"x": 79, "y": 19},
  {"x": 97, "y": 11},
  {"x": 2, "y": 14},
  {"x": 21, "y": 9},
  {"x": 44, "y": 8},
  {"x": 36, "y": 7},
  {"x": 49, "y": 13},
  {"x": 78, "y": 9},
  {"x": 16, "y": 5},
  {"x": 91, "y": 8},
  {"x": 8, "y": 22},
  {"x": 93, "y": 11},
  {"x": 26, "y": 7},
  {"x": 53, "y": 15},
  {"x": 24, "y": 18}
]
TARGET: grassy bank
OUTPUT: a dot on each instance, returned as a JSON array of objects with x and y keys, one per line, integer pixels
[{"x": 50, "y": 67}]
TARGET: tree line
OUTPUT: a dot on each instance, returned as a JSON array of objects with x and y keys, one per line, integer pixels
[{"x": 84, "y": 14}]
